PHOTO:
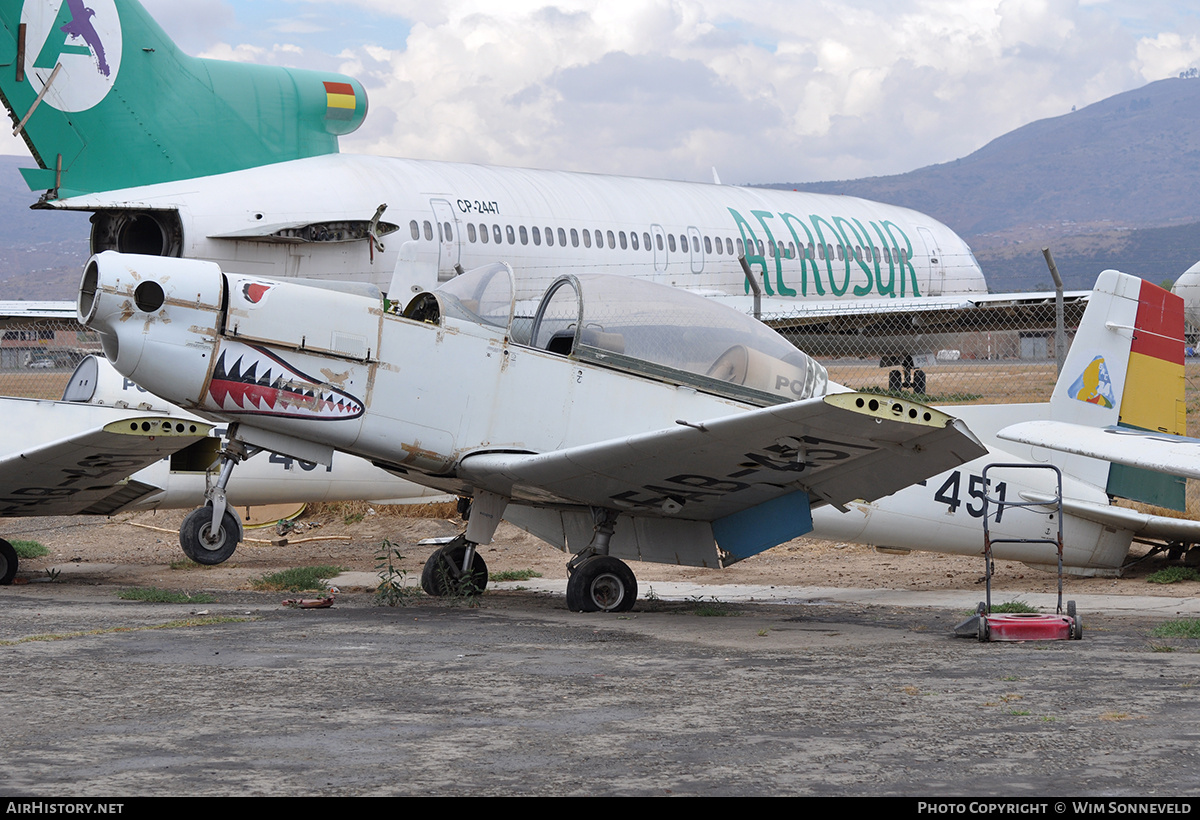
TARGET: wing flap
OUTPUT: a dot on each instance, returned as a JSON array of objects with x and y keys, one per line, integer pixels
[
  {"x": 837, "y": 448},
  {"x": 87, "y": 471}
]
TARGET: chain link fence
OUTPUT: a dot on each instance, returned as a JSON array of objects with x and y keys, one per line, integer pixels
[{"x": 38, "y": 356}]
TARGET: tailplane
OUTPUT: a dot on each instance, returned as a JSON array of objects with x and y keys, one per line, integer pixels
[
  {"x": 105, "y": 100},
  {"x": 1125, "y": 369}
]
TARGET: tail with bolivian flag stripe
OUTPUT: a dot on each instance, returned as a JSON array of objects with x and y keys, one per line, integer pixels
[
  {"x": 105, "y": 100},
  {"x": 1126, "y": 369}
]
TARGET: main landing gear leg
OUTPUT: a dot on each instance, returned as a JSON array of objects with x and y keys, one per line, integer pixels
[
  {"x": 598, "y": 582},
  {"x": 458, "y": 568},
  {"x": 210, "y": 534}
]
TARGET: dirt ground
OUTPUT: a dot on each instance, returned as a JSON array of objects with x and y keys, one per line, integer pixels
[
  {"x": 518, "y": 696},
  {"x": 144, "y": 549}
]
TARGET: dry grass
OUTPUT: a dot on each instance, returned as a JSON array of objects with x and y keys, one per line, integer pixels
[{"x": 342, "y": 510}]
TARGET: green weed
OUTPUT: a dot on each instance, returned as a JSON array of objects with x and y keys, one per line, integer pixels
[
  {"x": 1184, "y": 628},
  {"x": 514, "y": 575},
  {"x": 1173, "y": 575},
  {"x": 297, "y": 579},
  {"x": 154, "y": 595},
  {"x": 29, "y": 549}
]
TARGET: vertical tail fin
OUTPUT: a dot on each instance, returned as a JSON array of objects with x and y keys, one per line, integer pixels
[
  {"x": 105, "y": 100},
  {"x": 1125, "y": 368}
]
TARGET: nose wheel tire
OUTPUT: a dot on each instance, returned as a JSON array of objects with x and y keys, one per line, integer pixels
[
  {"x": 443, "y": 576},
  {"x": 200, "y": 544},
  {"x": 601, "y": 584},
  {"x": 8, "y": 563}
]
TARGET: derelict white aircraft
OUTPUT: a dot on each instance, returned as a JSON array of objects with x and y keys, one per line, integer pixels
[
  {"x": 109, "y": 446},
  {"x": 623, "y": 418},
  {"x": 660, "y": 422}
]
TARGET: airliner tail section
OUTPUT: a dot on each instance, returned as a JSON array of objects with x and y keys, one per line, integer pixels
[
  {"x": 1125, "y": 369},
  {"x": 105, "y": 100}
]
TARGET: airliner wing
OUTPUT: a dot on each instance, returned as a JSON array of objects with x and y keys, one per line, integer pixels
[
  {"x": 953, "y": 313},
  {"x": 1162, "y": 452},
  {"x": 85, "y": 472},
  {"x": 834, "y": 449}
]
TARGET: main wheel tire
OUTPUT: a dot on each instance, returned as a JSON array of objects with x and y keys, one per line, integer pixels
[
  {"x": 1076, "y": 622},
  {"x": 601, "y": 584},
  {"x": 895, "y": 380},
  {"x": 197, "y": 527},
  {"x": 442, "y": 574},
  {"x": 8, "y": 563}
]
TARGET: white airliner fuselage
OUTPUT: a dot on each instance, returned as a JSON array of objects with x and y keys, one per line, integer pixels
[{"x": 312, "y": 218}]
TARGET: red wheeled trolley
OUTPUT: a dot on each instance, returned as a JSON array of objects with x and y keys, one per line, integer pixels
[{"x": 1023, "y": 626}]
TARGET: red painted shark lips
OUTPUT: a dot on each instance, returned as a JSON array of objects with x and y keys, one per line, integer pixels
[{"x": 251, "y": 380}]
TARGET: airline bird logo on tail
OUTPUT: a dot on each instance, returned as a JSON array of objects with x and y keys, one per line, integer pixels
[{"x": 80, "y": 27}]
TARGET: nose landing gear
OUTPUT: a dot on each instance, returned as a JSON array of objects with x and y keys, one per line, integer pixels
[{"x": 210, "y": 534}]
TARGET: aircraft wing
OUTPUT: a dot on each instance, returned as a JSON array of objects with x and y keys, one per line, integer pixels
[
  {"x": 86, "y": 471},
  {"x": 837, "y": 448},
  {"x": 1162, "y": 452},
  {"x": 820, "y": 327}
]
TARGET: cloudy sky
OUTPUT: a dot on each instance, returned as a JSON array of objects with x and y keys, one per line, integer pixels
[{"x": 766, "y": 91}]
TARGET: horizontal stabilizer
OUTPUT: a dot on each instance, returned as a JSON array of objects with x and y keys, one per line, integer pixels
[
  {"x": 1160, "y": 452},
  {"x": 1142, "y": 525}
]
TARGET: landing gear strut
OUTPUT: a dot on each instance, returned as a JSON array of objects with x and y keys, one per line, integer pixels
[
  {"x": 458, "y": 568},
  {"x": 910, "y": 380},
  {"x": 597, "y": 581},
  {"x": 455, "y": 569},
  {"x": 210, "y": 534}
]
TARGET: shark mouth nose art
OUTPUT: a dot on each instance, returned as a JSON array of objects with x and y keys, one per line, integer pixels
[{"x": 250, "y": 379}]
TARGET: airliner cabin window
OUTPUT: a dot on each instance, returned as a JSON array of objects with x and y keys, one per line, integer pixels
[
  {"x": 428, "y": 231},
  {"x": 512, "y": 236},
  {"x": 524, "y": 235},
  {"x": 415, "y": 228},
  {"x": 599, "y": 239},
  {"x": 587, "y": 238},
  {"x": 729, "y": 246},
  {"x": 562, "y": 237},
  {"x": 671, "y": 242},
  {"x": 624, "y": 244},
  {"x": 449, "y": 232},
  {"x": 549, "y": 236},
  {"x": 708, "y": 244},
  {"x": 646, "y": 240},
  {"x": 471, "y": 231},
  {"x": 611, "y": 242},
  {"x": 537, "y": 235},
  {"x": 633, "y": 240},
  {"x": 497, "y": 235},
  {"x": 483, "y": 233}
]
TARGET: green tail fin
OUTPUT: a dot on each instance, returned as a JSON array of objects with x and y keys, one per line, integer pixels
[{"x": 127, "y": 108}]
